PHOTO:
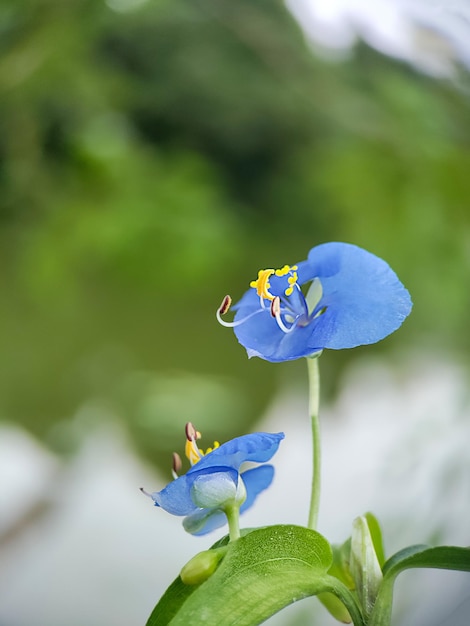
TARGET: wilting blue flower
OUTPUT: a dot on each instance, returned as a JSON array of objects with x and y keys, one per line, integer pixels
[
  {"x": 341, "y": 297},
  {"x": 215, "y": 481}
]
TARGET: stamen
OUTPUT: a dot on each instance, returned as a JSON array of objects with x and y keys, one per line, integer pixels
[
  {"x": 146, "y": 493},
  {"x": 224, "y": 307},
  {"x": 191, "y": 450},
  {"x": 276, "y": 313},
  {"x": 261, "y": 284},
  {"x": 191, "y": 433},
  {"x": 177, "y": 465},
  {"x": 226, "y": 304},
  {"x": 276, "y": 306},
  {"x": 282, "y": 271}
]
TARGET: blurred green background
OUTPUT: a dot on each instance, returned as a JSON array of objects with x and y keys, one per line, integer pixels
[{"x": 153, "y": 156}]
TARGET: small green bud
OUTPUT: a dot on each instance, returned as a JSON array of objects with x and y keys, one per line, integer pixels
[{"x": 201, "y": 566}]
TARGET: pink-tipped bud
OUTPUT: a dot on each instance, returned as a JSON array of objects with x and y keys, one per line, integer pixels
[{"x": 226, "y": 304}]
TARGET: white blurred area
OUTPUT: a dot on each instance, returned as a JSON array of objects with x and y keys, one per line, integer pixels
[
  {"x": 79, "y": 543},
  {"x": 433, "y": 35}
]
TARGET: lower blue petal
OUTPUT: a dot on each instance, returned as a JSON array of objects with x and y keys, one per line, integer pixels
[
  {"x": 203, "y": 521},
  {"x": 262, "y": 337},
  {"x": 256, "y": 480}
]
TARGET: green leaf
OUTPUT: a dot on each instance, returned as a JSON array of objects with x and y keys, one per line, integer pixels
[
  {"x": 441, "y": 557},
  {"x": 261, "y": 573},
  {"x": 171, "y": 601}
]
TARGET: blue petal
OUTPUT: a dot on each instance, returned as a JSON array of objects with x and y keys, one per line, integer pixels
[
  {"x": 211, "y": 490},
  {"x": 256, "y": 447},
  {"x": 176, "y": 497},
  {"x": 262, "y": 337},
  {"x": 364, "y": 298},
  {"x": 256, "y": 480},
  {"x": 204, "y": 521}
]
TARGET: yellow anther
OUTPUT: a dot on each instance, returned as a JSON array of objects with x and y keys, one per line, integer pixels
[
  {"x": 283, "y": 271},
  {"x": 192, "y": 452},
  {"x": 216, "y": 445},
  {"x": 261, "y": 284}
]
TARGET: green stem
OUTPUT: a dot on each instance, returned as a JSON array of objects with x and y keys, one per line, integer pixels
[
  {"x": 314, "y": 401},
  {"x": 381, "y": 614},
  {"x": 233, "y": 516}
]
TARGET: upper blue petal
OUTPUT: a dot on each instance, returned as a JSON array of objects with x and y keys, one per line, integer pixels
[
  {"x": 364, "y": 300},
  {"x": 256, "y": 447}
]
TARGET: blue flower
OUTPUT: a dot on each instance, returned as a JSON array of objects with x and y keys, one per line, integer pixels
[
  {"x": 215, "y": 484},
  {"x": 341, "y": 297}
]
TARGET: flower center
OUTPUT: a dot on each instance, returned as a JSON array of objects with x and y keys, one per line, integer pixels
[{"x": 287, "y": 304}]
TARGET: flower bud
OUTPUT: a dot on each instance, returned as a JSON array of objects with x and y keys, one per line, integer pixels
[
  {"x": 364, "y": 564},
  {"x": 201, "y": 567}
]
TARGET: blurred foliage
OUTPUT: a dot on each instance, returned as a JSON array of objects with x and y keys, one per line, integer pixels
[{"x": 154, "y": 155}]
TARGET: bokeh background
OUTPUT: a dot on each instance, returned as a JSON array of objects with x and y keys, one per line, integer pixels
[{"x": 153, "y": 156}]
